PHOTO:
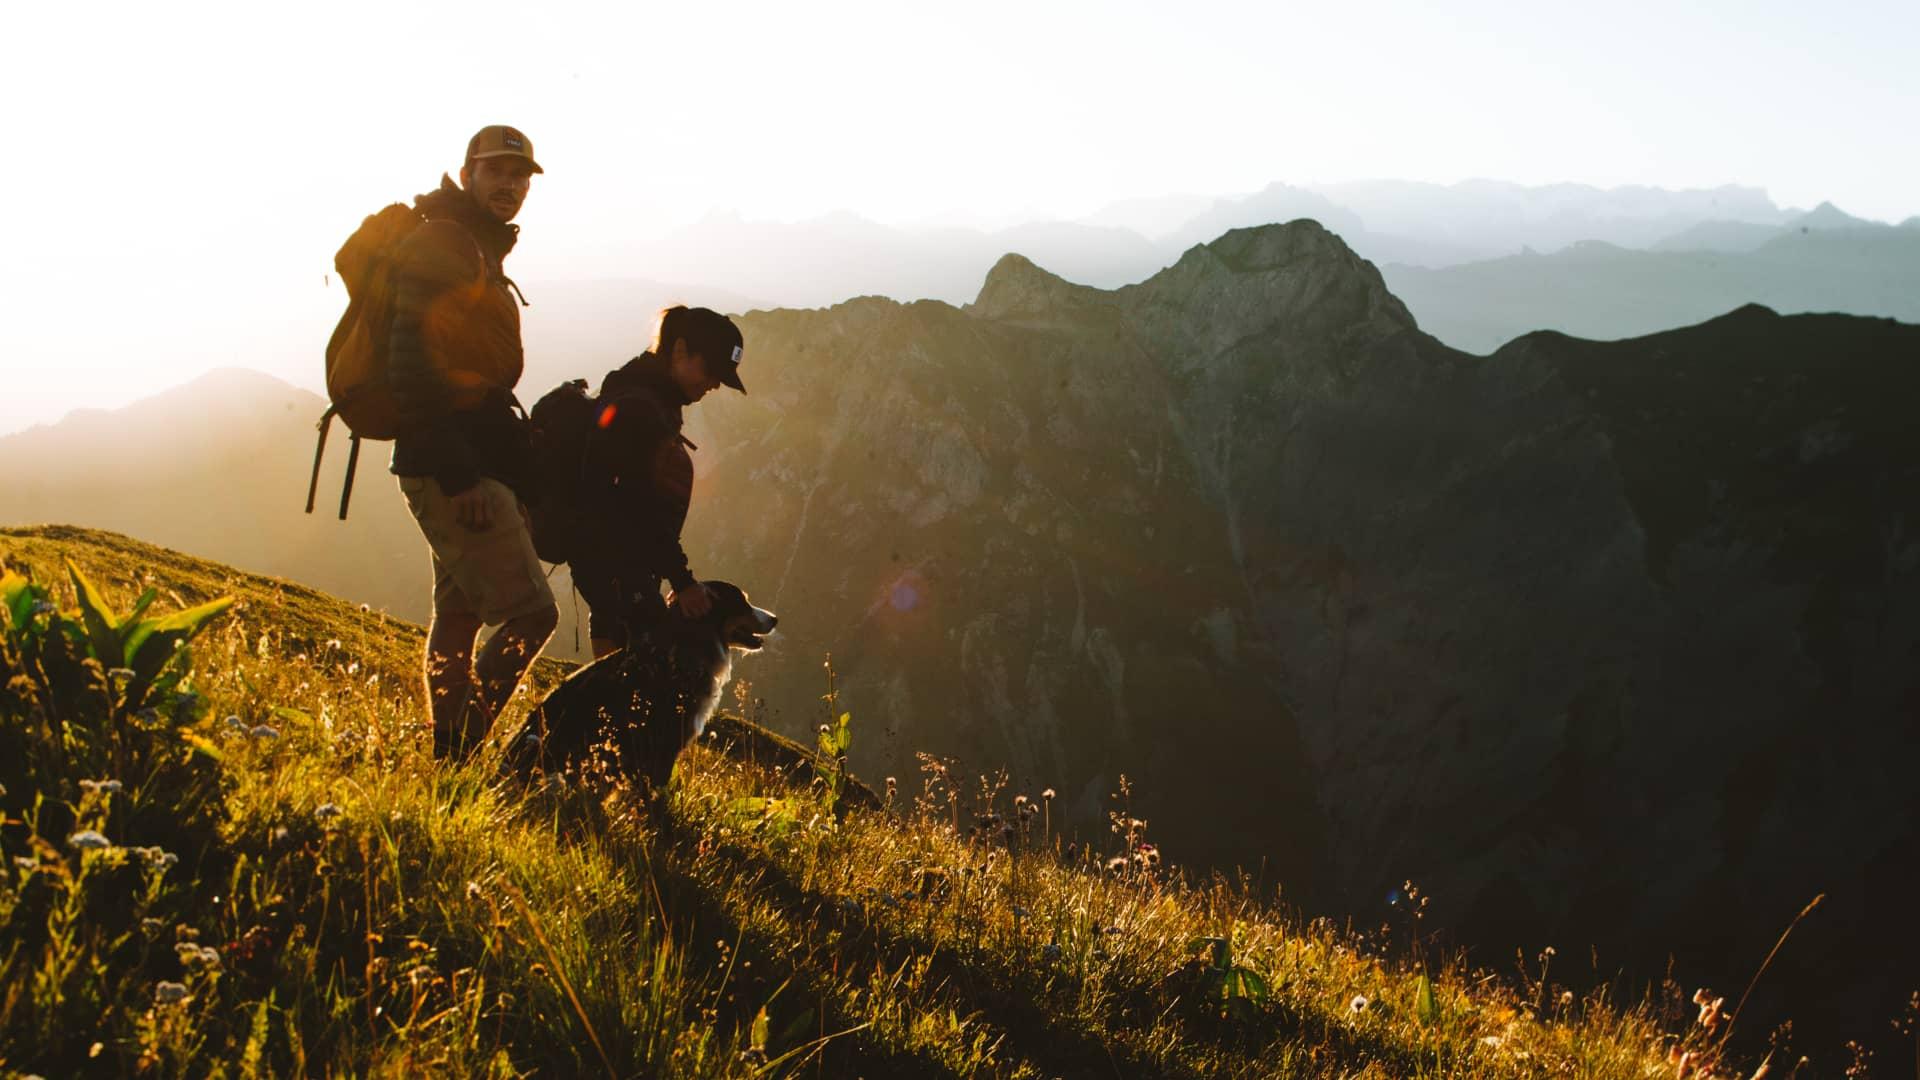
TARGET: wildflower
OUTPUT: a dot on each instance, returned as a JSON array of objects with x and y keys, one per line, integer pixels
[
  {"x": 1358, "y": 1005},
  {"x": 196, "y": 956},
  {"x": 169, "y": 993},
  {"x": 122, "y": 673},
  {"x": 152, "y": 925},
  {"x": 327, "y": 811},
  {"x": 88, "y": 840},
  {"x": 1047, "y": 794},
  {"x": 1710, "y": 1009},
  {"x": 1117, "y": 864},
  {"x": 43, "y": 607},
  {"x": 263, "y": 731},
  {"x": 366, "y": 607},
  {"x": 1492, "y": 1042},
  {"x": 473, "y": 890},
  {"x": 158, "y": 858},
  {"x": 109, "y": 787},
  {"x": 235, "y": 723}
]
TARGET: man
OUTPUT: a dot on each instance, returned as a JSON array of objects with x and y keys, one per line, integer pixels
[
  {"x": 462, "y": 457},
  {"x": 639, "y": 478}
]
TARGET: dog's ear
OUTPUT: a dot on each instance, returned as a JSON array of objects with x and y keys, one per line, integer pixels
[{"x": 727, "y": 597}]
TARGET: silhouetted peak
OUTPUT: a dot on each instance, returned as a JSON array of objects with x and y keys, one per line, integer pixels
[
  {"x": 1829, "y": 216},
  {"x": 1017, "y": 289},
  {"x": 1746, "y": 313}
]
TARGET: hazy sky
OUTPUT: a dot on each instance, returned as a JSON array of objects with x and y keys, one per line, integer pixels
[{"x": 182, "y": 173}]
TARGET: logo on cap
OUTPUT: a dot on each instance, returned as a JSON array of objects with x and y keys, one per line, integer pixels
[
  {"x": 736, "y": 354},
  {"x": 512, "y": 141}
]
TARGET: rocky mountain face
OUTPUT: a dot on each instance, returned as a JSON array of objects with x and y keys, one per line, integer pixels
[{"x": 1606, "y": 645}]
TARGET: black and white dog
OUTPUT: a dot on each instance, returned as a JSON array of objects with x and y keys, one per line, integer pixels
[{"x": 629, "y": 714}]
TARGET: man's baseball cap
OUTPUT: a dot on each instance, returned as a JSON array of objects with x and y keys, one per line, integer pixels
[
  {"x": 709, "y": 334},
  {"x": 499, "y": 140}
]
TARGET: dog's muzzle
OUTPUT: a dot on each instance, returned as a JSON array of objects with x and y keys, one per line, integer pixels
[{"x": 749, "y": 631}]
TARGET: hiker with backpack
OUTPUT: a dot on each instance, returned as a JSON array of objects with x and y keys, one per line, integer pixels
[
  {"x": 428, "y": 355},
  {"x": 627, "y": 475}
]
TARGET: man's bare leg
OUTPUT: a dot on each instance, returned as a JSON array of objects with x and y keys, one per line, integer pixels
[
  {"x": 508, "y": 654},
  {"x": 459, "y": 716}
]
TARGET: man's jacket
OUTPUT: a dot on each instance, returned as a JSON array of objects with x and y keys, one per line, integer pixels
[
  {"x": 639, "y": 481},
  {"x": 455, "y": 355}
]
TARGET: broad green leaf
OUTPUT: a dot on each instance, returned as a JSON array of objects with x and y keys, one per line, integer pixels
[
  {"x": 17, "y": 594},
  {"x": 145, "y": 637},
  {"x": 140, "y": 606},
  {"x": 294, "y": 715},
  {"x": 102, "y": 633},
  {"x": 757, "y": 1035},
  {"x": 1423, "y": 1004},
  {"x": 1253, "y": 985}
]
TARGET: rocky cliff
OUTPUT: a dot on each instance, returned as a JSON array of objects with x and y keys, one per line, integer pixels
[{"x": 1605, "y": 644}]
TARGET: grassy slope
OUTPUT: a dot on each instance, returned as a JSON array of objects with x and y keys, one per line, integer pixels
[{"x": 377, "y": 914}]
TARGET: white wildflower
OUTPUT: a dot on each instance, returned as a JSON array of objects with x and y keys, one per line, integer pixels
[
  {"x": 88, "y": 840},
  {"x": 169, "y": 993}
]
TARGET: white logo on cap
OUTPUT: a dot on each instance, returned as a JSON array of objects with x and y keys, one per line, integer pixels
[{"x": 736, "y": 354}]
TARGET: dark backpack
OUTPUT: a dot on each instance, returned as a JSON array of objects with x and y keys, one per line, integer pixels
[
  {"x": 357, "y": 389},
  {"x": 562, "y": 423}
]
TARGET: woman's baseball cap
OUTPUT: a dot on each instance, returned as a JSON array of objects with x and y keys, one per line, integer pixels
[{"x": 710, "y": 335}]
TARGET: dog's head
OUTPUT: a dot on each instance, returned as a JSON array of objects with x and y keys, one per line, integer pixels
[{"x": 739, "y": 624}]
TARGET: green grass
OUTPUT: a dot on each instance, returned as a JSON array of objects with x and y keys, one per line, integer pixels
[{"x": 342, "y": 905}]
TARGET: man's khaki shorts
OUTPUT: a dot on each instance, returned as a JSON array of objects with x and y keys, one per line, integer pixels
[{"x": 493, "y": 573}]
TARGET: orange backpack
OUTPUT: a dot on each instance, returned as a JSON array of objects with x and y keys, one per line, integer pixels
[{"x": 357, "y": 353}]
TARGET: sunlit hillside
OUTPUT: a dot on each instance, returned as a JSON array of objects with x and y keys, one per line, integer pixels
[{"x": 234, "y": 859}]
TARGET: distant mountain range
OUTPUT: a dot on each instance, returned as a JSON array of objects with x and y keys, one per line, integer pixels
[
  {"x": 824, "y": 261},
  {"x": 1597, "y": 290},
  {"x": 1477, "y": 263}
]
